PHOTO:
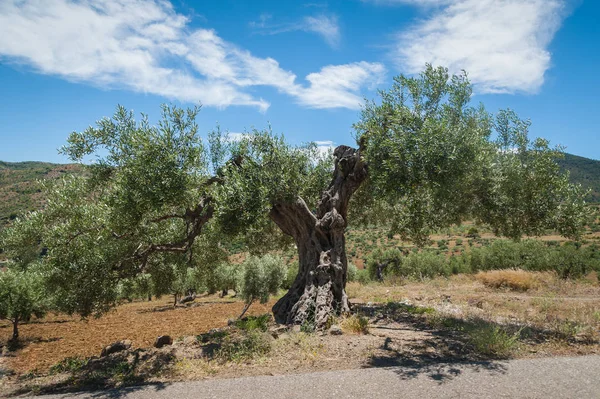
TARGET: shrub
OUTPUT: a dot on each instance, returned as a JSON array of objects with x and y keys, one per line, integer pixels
[
  {"x": 69, "y": 364},
  {"x": 473, "y": 232},
  {"x": 250, "y": 323},
  {"x": 492, "y": 340},
  {"x": 351, "y": 273},
  {"x": 362, "y": 276},
  {"x": 459, "y": 264},
  {"x": 572, "y": 262},
  {"x": 424, "y": 265},
  {"x": 238, "y": 347}
]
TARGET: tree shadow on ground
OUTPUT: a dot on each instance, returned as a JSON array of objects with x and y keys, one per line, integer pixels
[
  {"x": 112, "y": 376},
  {"x": 123, "y": 392},
  {"x": 419, "y": 341},
  {"x": 14, "y": 345}
]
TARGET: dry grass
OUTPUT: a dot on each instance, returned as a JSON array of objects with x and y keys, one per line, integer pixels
[
  {"x": 355, "y": 324},
  {"x": 518, "y": 280},
  {"x": 571, "y": 308}
]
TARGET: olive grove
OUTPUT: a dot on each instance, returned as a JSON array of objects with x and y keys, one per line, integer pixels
[{"x": 155, "y": 197}]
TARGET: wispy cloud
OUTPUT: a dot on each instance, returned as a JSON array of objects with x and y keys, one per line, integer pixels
[
  {"x": 502, "y": 44},
  {"x": 325, "y": 26},
  {"x": 146, "y": 46}
]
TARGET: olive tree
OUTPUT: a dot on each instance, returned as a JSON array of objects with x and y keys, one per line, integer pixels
[
  {"x": 139, "y": 207},
  {"x": 260, "y": 277},
  {"x": 21, "y": 297},
  {"x": 425, "y": 159}
]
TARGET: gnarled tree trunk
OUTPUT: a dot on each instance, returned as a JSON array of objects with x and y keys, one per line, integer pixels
[{"x": 319, "y": 289}]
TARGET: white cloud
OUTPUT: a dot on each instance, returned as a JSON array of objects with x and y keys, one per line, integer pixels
[
  {"x": 325, "y": 26},
  {"x": 145, "y": 46},
  {"x": 337, "y": 85},
  {"x": 325, "y": 147},
  {"x": 502, "y": 44}
]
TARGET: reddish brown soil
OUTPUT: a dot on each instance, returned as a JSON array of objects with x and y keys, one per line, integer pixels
[{"x": 56, "y": 337}]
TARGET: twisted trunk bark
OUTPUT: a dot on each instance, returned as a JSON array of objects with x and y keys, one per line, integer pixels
[{"x": 318, "y": 291}]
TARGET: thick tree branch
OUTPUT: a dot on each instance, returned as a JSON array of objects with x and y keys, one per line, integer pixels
[{"x": 293, "y": 219}]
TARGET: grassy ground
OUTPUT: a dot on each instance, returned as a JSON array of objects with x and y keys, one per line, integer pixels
[
  {"x": 415, "y": 325},
  {"x": 563, "y": 316}
]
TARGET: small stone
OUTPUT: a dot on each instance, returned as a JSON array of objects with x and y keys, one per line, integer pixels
[
  {"x": 115, "y": 347},
  {"x": 296, "y": 328},
  {"x": 186, "y": 299},
  {"x": 335, "y": 330},
  {"x": 162, "y": 341}
]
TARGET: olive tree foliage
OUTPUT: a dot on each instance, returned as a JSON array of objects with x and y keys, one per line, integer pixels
[
  {"x": 523, "y": 191},
  {"x": 434, "y": 160},
  {"x": 271, "y": 172},
  {"x": 21, "y": 297},
  {"x": 139, "y": 208}
]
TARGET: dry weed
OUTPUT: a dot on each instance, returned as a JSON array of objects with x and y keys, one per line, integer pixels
[
  {"x": 356, "y": 324},
  {"x": 518, "y": 280}
]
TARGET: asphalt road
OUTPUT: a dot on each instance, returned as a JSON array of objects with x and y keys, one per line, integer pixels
[{"x": 575, "y": 377}]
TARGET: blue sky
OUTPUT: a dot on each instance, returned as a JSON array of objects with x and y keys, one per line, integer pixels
[{"x": 303, "y": 67}]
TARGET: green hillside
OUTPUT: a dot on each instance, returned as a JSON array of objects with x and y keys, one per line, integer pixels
[
  {"x": 19, "y": 188},
  {"x": 20, "y": 191},
  {"x": 585, "y": 171}
]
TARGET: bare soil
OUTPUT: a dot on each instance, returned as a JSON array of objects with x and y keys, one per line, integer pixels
[{"x": 55, "y": 337}]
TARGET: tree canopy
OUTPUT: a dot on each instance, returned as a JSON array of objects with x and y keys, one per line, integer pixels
[
  {"x": 156, "y": 199},
  {"x": 434, "y": 160}
]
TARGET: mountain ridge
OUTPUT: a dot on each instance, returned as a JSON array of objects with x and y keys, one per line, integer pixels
[{"x": 20, "y": 191}]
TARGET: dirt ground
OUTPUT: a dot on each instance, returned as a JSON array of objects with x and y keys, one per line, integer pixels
[
  {"x": 56, "y": 337},
  {"x": 415, "y": 325}
]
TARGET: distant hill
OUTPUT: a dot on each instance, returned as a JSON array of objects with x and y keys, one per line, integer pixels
[
  {"x": 585, "y": 171},
  {"x": 19, "y": 188},
  {"x": 20, "y": 192}
]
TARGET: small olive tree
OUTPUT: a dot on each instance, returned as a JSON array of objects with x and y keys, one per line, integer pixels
[
  {"x": 21, "y": 297},
  {"x": 260, "y": 278}
]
